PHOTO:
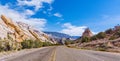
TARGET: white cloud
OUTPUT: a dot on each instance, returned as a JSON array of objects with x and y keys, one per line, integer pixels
[
  {"x": 37, "y": 4},
  {"x": 58, "y": 15},
  {"x": 73, "y": 30},
  {"x": 24, "y": 15},
  {"x": 39, "y": 23},
  {"x": 16, "y": 16},
  {"x": 29, "y": 12}
]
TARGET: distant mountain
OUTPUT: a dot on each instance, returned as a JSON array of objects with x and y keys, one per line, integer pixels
[
  {"x": 75, "y": 37},
  {"x": 61, "y": 35}
]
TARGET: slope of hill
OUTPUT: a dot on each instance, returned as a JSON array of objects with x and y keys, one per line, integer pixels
[
  {"x": 105, "y": 41},
  {"x": 20, "y": 31}
]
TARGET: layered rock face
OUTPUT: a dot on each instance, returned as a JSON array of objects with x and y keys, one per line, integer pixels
[
  {"x": 17, "y": 32},
  {"x": 20, "y": 31},
  {"x": 87, "y": 33}
]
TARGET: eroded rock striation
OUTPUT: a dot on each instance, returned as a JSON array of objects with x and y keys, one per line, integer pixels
[{"x": 20, "y": 31}]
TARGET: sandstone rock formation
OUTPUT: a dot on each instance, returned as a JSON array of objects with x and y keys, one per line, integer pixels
[
  {"x": 87, "y": 33},
  {"x": 19, "y": 31}
]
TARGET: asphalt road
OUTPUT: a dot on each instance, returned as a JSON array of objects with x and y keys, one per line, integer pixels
[
  {"x": 42, "y": 54},
  {"x": 63, "y": 53},
  {"x": 70, "y": 54}
]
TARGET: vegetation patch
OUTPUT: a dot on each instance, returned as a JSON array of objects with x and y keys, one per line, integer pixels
[{"x": 10, "y": 44}]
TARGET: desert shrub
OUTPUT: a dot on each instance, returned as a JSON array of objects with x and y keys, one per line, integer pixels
[
  {"x": 37, "y": 44},
  {"x": 34, "y": 44},
  {"x": 47, "y": 44},
  {"x": 57, "y": 44},
  {"x": 85, "y": 39},
  {"x": 67, "y": 42},
  {"x": 27, "y": 44},
  {"x": 5, "y": 45},
  {"x": 109, "y": 31},
  {"x": 13, "y": 44},
  {"x": 1, "y": 46},
  {"x": 8, "y": 47},
  {"x": 112, "y": 37},
  {"x": 72, "y": 42},
  {"x": 10, "y": 44},
  {"x": 100, "y": 49},
  {"x": 101, "y": 35},
  {"x": 94, "y": 38},
  {"x": 31, "y": 44},
  {"x": 78, "y": 40},
  {"x": 118, "y": 33}
]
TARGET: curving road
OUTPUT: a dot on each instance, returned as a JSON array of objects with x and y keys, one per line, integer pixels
[{"x": 63, "y": 53}]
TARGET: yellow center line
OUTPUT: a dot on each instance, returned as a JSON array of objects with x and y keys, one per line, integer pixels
[{"x": 53, "y": 55}]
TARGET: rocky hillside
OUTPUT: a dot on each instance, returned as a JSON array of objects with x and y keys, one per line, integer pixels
[
  {"x": 108, "y": 40},
  {"x": 86, "y": 35},
  {"x": 19, "y": 31}
]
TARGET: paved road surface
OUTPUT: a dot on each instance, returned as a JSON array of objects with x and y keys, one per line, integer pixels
[
  {"x": 70, "y": 54},
  {"x": 62, "y": 53}
]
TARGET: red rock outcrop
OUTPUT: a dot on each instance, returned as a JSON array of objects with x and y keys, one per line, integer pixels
[{"x": 87, "y": 33}]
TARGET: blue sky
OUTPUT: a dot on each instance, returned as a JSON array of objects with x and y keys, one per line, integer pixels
[{"x": 65, "y": 16}]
